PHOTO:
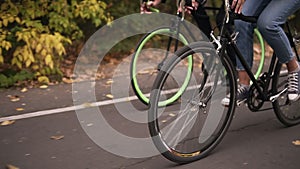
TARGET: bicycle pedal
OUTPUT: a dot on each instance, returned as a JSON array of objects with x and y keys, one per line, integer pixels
[{"x": 239, "y": 103}]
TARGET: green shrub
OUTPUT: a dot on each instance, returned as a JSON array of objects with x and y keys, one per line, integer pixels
[{"x": 34, "y": 34}]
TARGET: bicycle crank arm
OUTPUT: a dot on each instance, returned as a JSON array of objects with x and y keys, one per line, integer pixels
[{"x": 273, "y": 98}]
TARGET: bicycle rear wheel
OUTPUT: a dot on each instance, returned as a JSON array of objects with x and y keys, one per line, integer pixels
[
  {"x": 150, "y": 55},
  {"x": 286, "y": 111},
  {"x": 192, "y": 127}
]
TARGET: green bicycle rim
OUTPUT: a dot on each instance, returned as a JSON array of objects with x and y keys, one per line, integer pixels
[
  {"x": 262, "y": 57},
  {"x": 183, "y": 87}
]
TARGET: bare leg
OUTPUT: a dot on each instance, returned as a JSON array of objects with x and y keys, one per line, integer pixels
[
  {"x": 292, "y": 65},
  {"x": 243, "y": 77}
]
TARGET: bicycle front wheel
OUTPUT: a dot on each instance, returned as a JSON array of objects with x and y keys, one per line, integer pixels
[
  {"x": 150, "y": 55},
  {"x": 286, "y": 111},
  {"x": 192, "y": 127}
]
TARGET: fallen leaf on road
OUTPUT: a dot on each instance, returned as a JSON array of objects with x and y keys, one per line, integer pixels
[
  {"x": 90, "y": 124},
  {"x": 57, "y": 137},
  {"x": 86, "y": 105},
  {"x": 13, "y": 98},
  {"x": 43, "y": 87},
  {"x": 9, "y": 166},
  {"x": 110, "y": 96},
  {"x": 172, "y": 115},
  {"x": 7, "y": 122},
  {"x": 149, "y": 71},
  {"x": 109, "y": 82},
  {"x": 19, "y": 109},
  {"x": 24, "y": 90},
  {"x": 296, "y": 142},
  {"x": 66, "y": 80}
]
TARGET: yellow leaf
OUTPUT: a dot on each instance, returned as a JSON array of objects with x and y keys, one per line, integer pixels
[
  {"x": 18, "y": 20},
  {"x": 296, "y": 142},
  {"x": 24, "y": 90},
  {"x": 38, "y": 48},
  {"x": 87, "y": 105},
  {"x": 1, "y": 59},
  {"x": 109, "y": 82},
  {"x": 110, "y": 96},
  {"x": 43, "y": 80},
  {"x": 51, "y": 65},
  {"x": 19, "y": 64},
  {"x": 43, "y": 52},
  {"x": 8, "y": 122},
  {"x": 9, "y": 166},
  {"x": 48, "y": 59},
  {"x": 7, "y": 45},
  {"x": 66, "y": 80},
  {"x": 5, "y": 22},
  {"x": 43, "y": 87},
  {"x": 28, "y": 63},
  {"x": 57, "y": 137},
  {"x": 11, "y": 19},
  {"x": 19, "y": 109}
]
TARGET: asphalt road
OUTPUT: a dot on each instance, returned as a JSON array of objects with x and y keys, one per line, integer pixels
[{"x": 56, "y": 140}]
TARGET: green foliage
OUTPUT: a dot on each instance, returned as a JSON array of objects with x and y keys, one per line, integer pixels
[
  {"x": 10, "y": 77},
  {"x": 34, "y": 34},
  {"x": 122, "y": 8}
]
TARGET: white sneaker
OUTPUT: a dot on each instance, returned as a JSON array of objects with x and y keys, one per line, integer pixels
[{"x": 293, "y": 86}]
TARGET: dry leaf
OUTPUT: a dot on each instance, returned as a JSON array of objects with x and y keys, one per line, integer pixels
[
  {"x": 87, "y": 105},
  {"x": 110, "y": 96},
  {"x": 7, "y": 122},
  {"x": 9, "y": 166},
  {"x": 296, "y": 142},
  {"x": 43, "y": 87},
  {"x": 109, "y": 82},
  {"x": 14, "y": 98},
  {"x": 24, "y": 90},
  {"x": 66, "y": 80},
  {"x": 172, "y": 115},
  {"x": 90, "y": 124},
  {"x": 57, "y": 137},
  {"x": 19, "y": 109},
  {"x": 147, "y": 71}
]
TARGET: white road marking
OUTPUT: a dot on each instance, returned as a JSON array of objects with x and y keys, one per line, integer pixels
[
  {"x": 66, "y": 109},
  {"x": 78, "y": 107},
  {"x": 83, "y": 106}
]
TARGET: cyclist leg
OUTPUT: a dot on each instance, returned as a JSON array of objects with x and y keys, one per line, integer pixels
[
  {"x": 245, "y": 45},
  {"x": 269, "y": 25}
]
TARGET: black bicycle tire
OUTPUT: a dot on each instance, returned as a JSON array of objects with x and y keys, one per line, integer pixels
[
  {"x": 277, "y": 108},
  {"x": 153, "y": 126}
]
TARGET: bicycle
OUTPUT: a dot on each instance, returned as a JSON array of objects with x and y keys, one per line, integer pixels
[
  {"x": 177, "y": 34},
  {"x": 191, "y": 128}
]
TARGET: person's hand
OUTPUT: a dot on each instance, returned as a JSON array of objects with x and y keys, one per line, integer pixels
[
  {"x": 237, "y": 5},
  {"x": 195, "y": 4},
  {"x": 145, "y": 6},
  {"x": 188, "y": 9}
]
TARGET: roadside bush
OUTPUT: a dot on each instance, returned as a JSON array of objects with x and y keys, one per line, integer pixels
[{"x": 34, "y": 34}]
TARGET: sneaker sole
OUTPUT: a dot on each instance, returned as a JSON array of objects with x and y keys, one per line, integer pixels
[{"x": 238, "y": 102}]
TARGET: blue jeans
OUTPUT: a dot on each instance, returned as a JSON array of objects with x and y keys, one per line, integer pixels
[{"x": 272, "y": 13}]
